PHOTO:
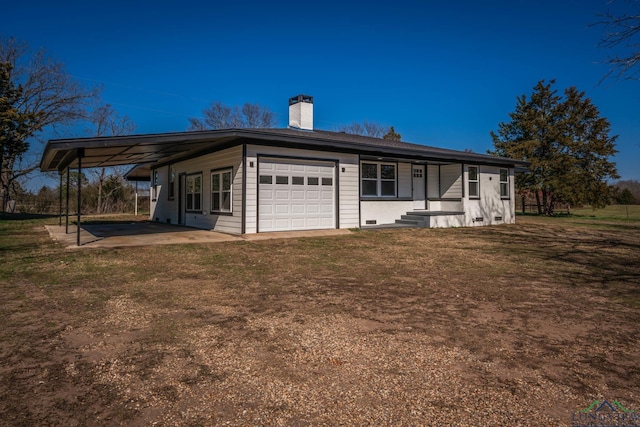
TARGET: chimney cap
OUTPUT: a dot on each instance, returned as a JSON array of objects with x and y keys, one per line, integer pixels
[{"x": 301, "y": 98}]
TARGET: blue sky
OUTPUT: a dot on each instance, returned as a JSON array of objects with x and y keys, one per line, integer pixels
[{"x": 443, "y": 73}]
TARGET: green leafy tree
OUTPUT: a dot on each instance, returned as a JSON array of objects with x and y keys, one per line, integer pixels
[
  {"x": 633, "y": 187},
  {"x": 625, "y": 197},
  {"x": 15, "y": 127},
  {"x": 392, "y": 135},
  {"x": 567, "y": 143}
]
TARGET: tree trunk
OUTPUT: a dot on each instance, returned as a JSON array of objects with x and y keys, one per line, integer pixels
[
  {"x": 538, "y": 203},
  {"x": 552, "y": 202},
  {"x": 100, "y": 184}
]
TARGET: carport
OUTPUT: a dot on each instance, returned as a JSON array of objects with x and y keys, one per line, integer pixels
[{"x": 65, "y": 155}]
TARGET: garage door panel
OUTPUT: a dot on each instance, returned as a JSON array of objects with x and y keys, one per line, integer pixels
[
  {"x": 282, "y": 209},
  {"x": 301, "y": 195},
  {"x": 298, "y": 223},
  {"x": 281, "y": 224},
  {"x": 282, "y": 195},
  {"x": 298, "y": 209}
]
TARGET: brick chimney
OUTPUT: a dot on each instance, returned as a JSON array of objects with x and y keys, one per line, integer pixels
[{"x": 301, "y": 112}]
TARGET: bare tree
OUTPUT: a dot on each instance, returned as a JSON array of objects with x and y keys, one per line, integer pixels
[
  {"x": 107, "y": 122},
  {"x": 49, "y": 96},
  {"x": 220, "y": 116},
  {"x": 622, "y": 31},
  {"x": 372, "y": 129}
]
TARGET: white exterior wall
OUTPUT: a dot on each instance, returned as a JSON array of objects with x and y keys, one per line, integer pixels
[
  {"x": 490, "y": 205},
  {"x": 446, "y": 221},
  {"x": 164, "y": 210},
  {"x": 348, "y": 181},
  {"x": 445, "y": 205},
  {"x": 383, "y": 211},
  {"x": 352, "y": 212},
  {"x": 387, "y": 211}
]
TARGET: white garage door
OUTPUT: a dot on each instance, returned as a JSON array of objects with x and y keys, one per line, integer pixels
[{"x": 295, "y": 195}]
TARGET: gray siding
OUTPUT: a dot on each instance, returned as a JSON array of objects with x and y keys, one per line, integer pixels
[{"x": 451, "y": 181}]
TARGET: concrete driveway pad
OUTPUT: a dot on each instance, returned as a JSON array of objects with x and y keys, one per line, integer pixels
[{"x": 110, "y": 235}]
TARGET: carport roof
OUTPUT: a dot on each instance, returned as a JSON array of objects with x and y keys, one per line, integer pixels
[{"x": 155, "y": 149}]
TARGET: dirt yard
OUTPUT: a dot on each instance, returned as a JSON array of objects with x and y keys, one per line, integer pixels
[{"x": 504, "y": 325}]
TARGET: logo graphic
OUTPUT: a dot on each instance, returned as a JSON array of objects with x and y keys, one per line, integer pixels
[{"x": 605, "y": 414}]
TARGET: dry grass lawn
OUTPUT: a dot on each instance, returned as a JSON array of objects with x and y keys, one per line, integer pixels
[{"x": 502, "y": 325}]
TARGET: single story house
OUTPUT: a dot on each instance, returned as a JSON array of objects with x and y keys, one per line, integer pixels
[{"x": 299, "y": 178}]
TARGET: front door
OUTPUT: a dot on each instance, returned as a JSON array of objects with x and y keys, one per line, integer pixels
[{"x": 419, "y": 187}]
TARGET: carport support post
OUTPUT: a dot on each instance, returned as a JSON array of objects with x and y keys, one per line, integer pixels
[
  {"x": 60, "y": 200},
  {"x": 135, "y": 209},
  {"x": 80, "y": 154},
  {"x": 66, "y": 230}
]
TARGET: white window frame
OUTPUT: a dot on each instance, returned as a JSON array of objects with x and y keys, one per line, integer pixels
[
  {"x": 218, "y": 194},
  {"x": 475, "y": 181},
  {"x": 378, "y": 179},
  {"x": 190, "y": 190},
  {"x": 504, "y": 184}
]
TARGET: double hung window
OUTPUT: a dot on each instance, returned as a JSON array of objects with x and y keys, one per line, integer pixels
[
  {"x": 221, "y": 191},
  {"x": 378, "y": 179},
  {"x": 194, "y": 192},
  {"x": 473, "y": 182},
  {"x": 504, "y": 183}
]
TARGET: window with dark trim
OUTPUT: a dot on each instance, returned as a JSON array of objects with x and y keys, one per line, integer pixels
[
  {"x": 473, "y": 182},
  {"x": 504, "y": 183},
  {"x": 194, "y": 192},
  {"x": 172, "y": 182},
  {"x": 378, "y": 179},
  {"x": 221, "y": 191}
]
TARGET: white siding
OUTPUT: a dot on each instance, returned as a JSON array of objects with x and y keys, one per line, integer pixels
[
  {"x": 348, "y": 181},
  {"x": 167, "y": 211},
  {"x": 404, "y": 180}
]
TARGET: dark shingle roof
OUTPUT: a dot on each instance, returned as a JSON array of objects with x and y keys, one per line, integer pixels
[{"x": 162, "y": 148}]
